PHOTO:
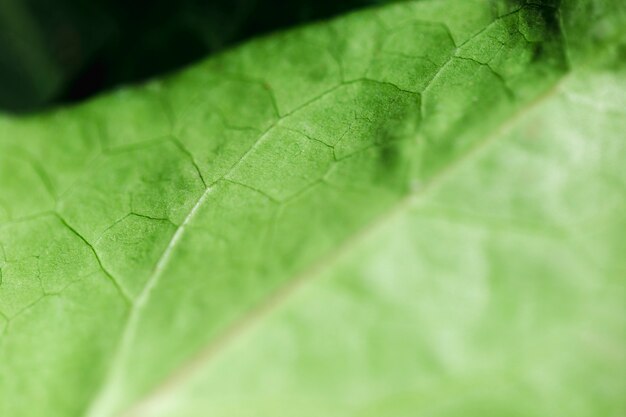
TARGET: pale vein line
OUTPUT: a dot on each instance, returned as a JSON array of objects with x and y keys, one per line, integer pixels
[
  {"x": 284, "y": 292},
  {"x": 142, "y": 299},
  {"x": 123, "y": 348},
  {"x": 98, "y": 406},
  {"x": 277, "y": 299}
]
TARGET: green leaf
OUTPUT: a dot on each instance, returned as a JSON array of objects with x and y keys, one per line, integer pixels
[{"x": 411, "y": 210}]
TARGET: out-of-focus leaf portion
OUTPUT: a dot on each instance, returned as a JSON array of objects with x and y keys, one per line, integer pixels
[{"x": 411, "y": 210}]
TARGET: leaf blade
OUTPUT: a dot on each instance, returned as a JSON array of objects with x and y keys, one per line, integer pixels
[{"x": 321, "y": 152}]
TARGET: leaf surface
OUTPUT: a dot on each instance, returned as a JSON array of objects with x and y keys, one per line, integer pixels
[{"x": 411, "y": 209}]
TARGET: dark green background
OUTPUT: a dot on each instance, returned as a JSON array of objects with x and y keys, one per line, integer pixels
[{"x": 56, "y": 51}]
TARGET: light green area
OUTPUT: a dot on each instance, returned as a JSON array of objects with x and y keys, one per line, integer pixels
[{"x": 411, "y": 210}]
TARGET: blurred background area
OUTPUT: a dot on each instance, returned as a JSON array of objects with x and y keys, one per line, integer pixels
[{"x": 61, "y": 51}]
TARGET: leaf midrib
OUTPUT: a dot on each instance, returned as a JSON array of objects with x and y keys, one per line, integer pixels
[{"x": 279, "y": 297}]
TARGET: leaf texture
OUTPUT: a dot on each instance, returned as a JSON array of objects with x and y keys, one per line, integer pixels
[{"x": 413, "y": 209}]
